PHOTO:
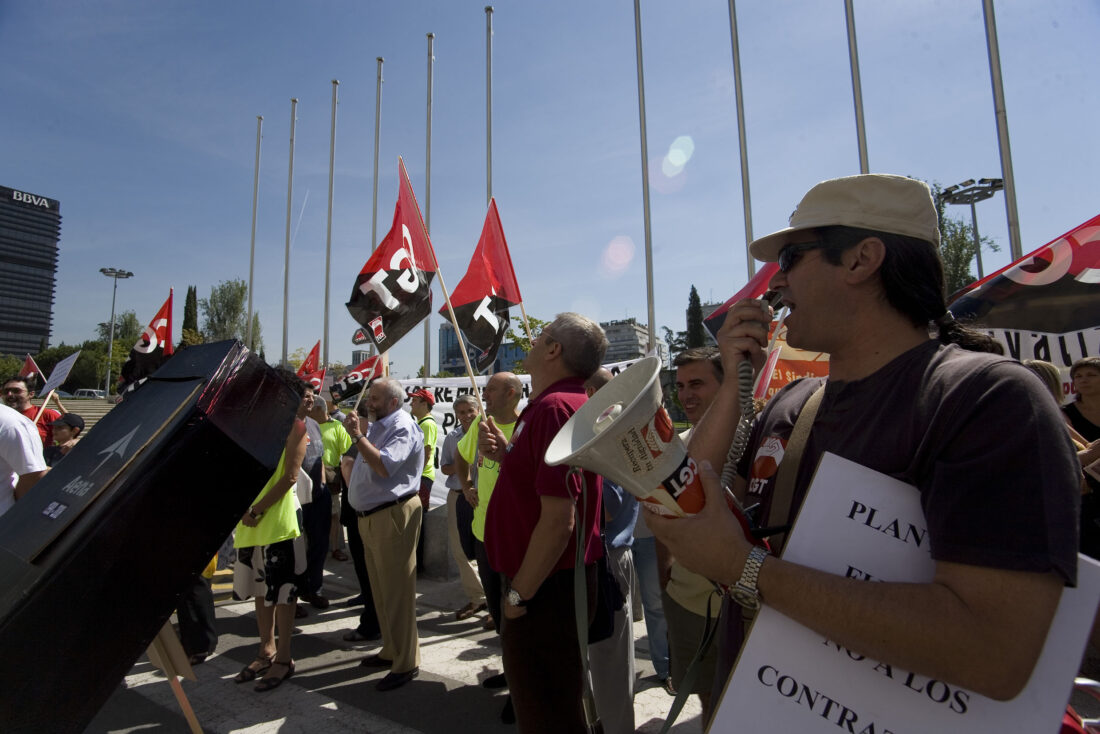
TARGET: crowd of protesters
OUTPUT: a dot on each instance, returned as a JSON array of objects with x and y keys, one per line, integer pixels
[{"x": 911, "y": 393}]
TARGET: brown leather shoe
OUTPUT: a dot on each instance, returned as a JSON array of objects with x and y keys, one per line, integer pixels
[{"x": 470, "y": 610}]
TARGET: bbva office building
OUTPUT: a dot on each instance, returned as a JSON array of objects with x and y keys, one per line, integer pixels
[{"x": 29, "y": 229}]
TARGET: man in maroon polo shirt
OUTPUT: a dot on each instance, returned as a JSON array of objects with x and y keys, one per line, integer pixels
[{"x": 529, "y": 530}]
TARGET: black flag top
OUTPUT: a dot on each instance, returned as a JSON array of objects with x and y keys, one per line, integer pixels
[
  {"x": 483, "y": 296},
  {"x": 393, "y": 293},
  {"x": 153, "y": 347},
  {"x": 1045, "y": 305}
]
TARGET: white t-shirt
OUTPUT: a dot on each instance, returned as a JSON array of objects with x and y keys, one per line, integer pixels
[{"x": 20, "y": 453}]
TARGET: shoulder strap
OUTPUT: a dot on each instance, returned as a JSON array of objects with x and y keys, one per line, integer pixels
[{"x": 783, "y": 494}]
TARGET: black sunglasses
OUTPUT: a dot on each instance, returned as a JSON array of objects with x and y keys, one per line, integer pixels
[{"x": 791, "y": 254}]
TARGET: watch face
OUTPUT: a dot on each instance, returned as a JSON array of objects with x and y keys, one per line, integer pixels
[
  {"x": 514, "y": 598},
  {"x": 744, "y": 597}
]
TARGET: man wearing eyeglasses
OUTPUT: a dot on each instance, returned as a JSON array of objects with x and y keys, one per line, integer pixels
[
  {"x": 910, "y": 394},
  {"x": 18, "y": 392}
]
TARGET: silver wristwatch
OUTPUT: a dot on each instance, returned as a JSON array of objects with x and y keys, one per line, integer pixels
[
  {"x": 744, "y": 592},
  {"x": 514, "y": 599}
]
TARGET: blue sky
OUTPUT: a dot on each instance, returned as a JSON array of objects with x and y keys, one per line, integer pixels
[{"x": 141, "y": 119}]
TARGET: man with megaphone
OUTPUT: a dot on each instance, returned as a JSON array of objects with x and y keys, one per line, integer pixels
[
  {"x": 529, "y": 531},
  {"x": 910, "y": 394}
]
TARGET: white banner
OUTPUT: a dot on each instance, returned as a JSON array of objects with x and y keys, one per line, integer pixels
[
  {"x": 59, "y": 374},
  {"x": 446, "y": 390},
  {"x": 859, "y": 523}
]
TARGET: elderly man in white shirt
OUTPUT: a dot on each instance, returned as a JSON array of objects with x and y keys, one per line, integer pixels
[{"x": 384, "y": 477}]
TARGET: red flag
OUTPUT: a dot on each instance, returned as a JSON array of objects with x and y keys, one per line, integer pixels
[
  {"x": 482, "y": 298},
  {"x": 309, "y": 366},
  {"x": 786, "y": 363},
  {"x": 153, "y": 347},
  {"x": 30, "y": 368},
  {"x": 359, "y": 337},
  {"x": 392, "y": 293},
  {"x": 315, "y": 379},
  {"x": 1046, "y": 305},
  {"x": 354, "y": 381}
]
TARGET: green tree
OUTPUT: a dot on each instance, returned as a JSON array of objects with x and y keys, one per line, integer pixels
[
  {"x": 190, "y": 337},
  {"x": 696, "y": 335},
  {"x": 191, "y": 309},
  {"x": 518, "y": 335},
  {"x": 90, "y": 367},
  {"x": 127, "y": 329},
  {"x": 225, "y": 314},
  {"x": 956, "y": 246},
  {"x": 9, "y": 366},
  {"x": 257, "y": 344},
  {"x": 676, "y": 341}
]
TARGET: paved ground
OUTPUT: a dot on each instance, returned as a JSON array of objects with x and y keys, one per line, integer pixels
[{"x": 331, "y": 693}]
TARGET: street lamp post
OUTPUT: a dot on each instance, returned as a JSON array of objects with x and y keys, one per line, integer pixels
[
  {"x": 115, "y": 274},
  {"x": 971, "y": 193}
]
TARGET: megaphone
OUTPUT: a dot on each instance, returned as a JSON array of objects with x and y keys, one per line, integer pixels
[{"x": 625, "y": 434}]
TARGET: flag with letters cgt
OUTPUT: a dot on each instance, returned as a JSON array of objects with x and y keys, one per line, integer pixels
[
  {"x": 483, "y": 296},
  {"x": 153, "y": 347},
  {"x": 1046, "y": 305},
  {"x": 392, "y": 293}
]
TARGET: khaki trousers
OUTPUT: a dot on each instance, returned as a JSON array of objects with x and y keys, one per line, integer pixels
[
  {"x": 467, "y": 573},
  {"x": 389, "y": 549}
]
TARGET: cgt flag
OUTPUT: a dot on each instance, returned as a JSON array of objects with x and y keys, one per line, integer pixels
[
  {"x": 354, "y": 381},
  {"x": 393, "y": 293},
  {"x": 30, "y": 369},
  {"x": 153, "y": 347},
  {"x": 309, "y": 370},
  {"x": 483, "y": 296},
  {"x": 1046, "y": 305}
]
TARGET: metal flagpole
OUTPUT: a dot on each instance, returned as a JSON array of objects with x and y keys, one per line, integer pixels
[
  {"x": 645, "y": 177},
  {"x": 252, "y": 250},
  {"x": 374, "y": 205},
  {"x": 328, "y": 232},
  {"x": 289, "y": 197},
  {"x": 428, "y": 204},
  {"x": 738, "y": 93},
  {"x": 1002, "y": 130},
  {"x": 857, "y": 90},
  {"x": 488, "y": 104}
]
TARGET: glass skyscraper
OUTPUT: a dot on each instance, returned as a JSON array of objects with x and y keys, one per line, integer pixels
[{"x": 29, "y": 229}]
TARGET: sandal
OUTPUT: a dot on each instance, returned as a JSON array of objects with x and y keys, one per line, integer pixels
[
  {"x": 249, "y": 673},
  {"x": 271, "y": 682}
]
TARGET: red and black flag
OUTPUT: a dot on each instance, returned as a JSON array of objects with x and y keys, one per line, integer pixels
[
  {"x": 359, "y": 337},
  {"x": 153, "y": 347},
  {"x": 30, "y": 369},
  {"x": 310, "y": 372},
  {"x": 1046, "y": 305},
  {"x": 483, "y": 296},
  {"x": 393, "y": 293},
  {"x": 354, "y": 381}
]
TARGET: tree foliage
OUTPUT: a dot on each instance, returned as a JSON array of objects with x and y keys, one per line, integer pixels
[
  {"x": 696, "y": 335},
  {"x": 191, "y": 309},
  {"x": 225, "y": 314},
  {"x": 956, "y": 246},
  {"x": 518, "y": 335},
  {"x": 127, "y": 329}
]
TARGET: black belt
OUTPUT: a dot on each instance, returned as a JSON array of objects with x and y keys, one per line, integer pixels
[{"x": 385, "y": 505}]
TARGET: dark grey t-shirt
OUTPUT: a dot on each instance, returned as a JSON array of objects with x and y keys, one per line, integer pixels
[{"x": 976, "y": 433}]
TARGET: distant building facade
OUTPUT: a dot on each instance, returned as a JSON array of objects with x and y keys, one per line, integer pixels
[
  {"x": 450, "y": 356},
  {"x": 358, "y": 356},
  {"x": 30, "y": 226},
  {"x": 627, "y": 339}
]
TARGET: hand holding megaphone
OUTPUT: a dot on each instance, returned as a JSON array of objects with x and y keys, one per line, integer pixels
[
  {"x": 713, "y": 542},
  {"x": 744, "y": 333}
]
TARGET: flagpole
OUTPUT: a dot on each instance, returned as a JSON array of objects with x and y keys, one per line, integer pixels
[
  {"x": 252, "y": 249},
  {"x": 857, "y": 89},
  {"x": 289, "y": 198},
  {"x": 328, "y": 232},
  {"x": 645, "y": 177},
  {"x": 447, "y": 300},
  {"x": 488, "y": 103},
  {"x": 428, "y": 207},
  {"x": 1002, "y": 130},
  {"x": 741, "y": 138},
  {"x": 374, "y": 204}
]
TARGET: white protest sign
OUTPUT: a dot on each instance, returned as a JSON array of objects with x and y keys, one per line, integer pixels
[
  {"x": 859, "y": 523},
  {"x": 60, "y": 373}
]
